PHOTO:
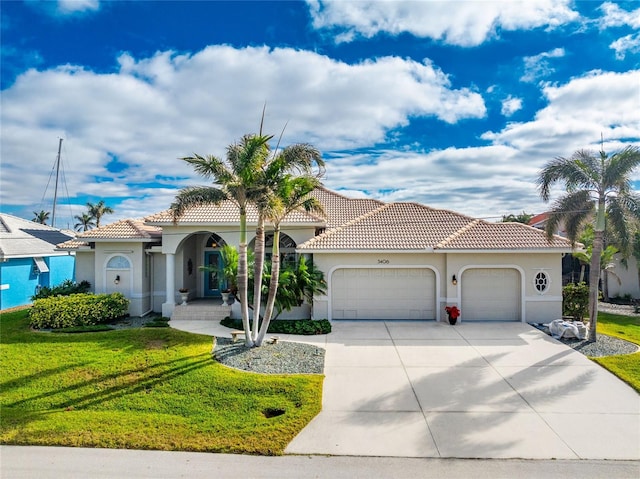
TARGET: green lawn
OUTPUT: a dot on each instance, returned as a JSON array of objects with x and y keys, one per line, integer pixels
[
  {"x": 625, "y": 366},
  {"x": 145, "y": 388}
]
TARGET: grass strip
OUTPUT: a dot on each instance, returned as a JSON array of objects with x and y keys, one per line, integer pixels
[{"x": 625, "y": 366}]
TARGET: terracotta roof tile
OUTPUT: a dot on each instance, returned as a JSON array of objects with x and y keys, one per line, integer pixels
[
  {"x": 397, "y": 226},
  {"x": 339, "y": 209},
  {"x": 225, "y": 213},
  {"x": 123, "y": 230},
  {"x": 411, "y": 226}
]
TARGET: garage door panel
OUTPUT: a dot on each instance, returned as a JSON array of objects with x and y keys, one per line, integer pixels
[
  {"x": 383, "y": 293},
  {"x": 491, "y": 294}
]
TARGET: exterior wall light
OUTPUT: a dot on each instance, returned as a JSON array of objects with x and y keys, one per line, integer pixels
[
  {"x": 454, "y": 281},
  {"x": 117, "y": 280}
]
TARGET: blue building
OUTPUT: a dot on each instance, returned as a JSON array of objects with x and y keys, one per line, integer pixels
[{"x": 29, "y": 259}]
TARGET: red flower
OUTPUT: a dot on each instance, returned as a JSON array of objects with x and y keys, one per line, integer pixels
[{"x": 452, "y": 311}]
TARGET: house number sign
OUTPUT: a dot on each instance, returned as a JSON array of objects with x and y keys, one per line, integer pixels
[{"x": 383, "y": 261}]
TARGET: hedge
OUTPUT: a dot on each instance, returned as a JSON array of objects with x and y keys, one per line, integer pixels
[
  {"x": 77, "y": 310},
  {"x": 305, "y": 327}
]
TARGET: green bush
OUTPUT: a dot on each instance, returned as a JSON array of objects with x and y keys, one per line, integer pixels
[
  {"x": 65, "y": 288},
  {"x": 305, "y": 327},
  {"x": 77, "y": 310},
  {"x": 575, "y": 300}
]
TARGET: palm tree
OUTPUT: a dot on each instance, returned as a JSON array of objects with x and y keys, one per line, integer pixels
[
  {"x": 289, "y": 193},
  {"x": 597, "y": 187},
  {"x": 41, "y": 217},
  {"x": 98, "y": 210},
  {"x": 85, "y": 222},
  {"x": 237, "y": 179}
]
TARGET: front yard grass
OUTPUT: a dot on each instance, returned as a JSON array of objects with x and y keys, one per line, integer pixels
[
  {"x": 151, "y": 388},
  {"x": 625, "y": 366}
]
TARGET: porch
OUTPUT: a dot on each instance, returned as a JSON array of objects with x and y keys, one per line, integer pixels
[{"x": 201, "y": 308}]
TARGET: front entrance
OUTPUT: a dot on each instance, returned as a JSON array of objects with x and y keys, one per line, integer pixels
[{"x": 213, "y": 274}]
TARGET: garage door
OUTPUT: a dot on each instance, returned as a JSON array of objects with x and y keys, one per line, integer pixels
[
  {"x": 383, "y": 293},
  {"x": 491, "y": 294}
]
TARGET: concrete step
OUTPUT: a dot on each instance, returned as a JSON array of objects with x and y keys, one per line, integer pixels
[{"x": 201, "y": 310}]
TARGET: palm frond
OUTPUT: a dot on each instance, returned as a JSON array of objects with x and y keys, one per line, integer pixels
[
  {"x": 620, "y": 166},
  {"x": 572, "y": 172},
  {"x": 572, "y": 210},
  {"x": 195, "y": 196}
]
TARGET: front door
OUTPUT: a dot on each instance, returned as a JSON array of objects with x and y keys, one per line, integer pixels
[{"x": 213, "y": 275}]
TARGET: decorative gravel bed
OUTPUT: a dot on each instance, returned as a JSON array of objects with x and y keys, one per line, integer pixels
[
  {"x": 605, "y": 345},
  {"x": 271, "y": 358}
]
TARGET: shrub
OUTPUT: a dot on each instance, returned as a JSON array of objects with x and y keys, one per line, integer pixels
[
  {"x": 77, "y": 310},
  {"x": 305, "y": 327},
  {"x": 575, "y": 300},
  {"x": 65, "y": 288}
]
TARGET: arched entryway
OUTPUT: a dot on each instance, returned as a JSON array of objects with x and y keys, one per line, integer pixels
[{"x": 213, "y": 280}]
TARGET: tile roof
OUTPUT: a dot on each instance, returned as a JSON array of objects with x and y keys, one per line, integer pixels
[
  {"x": 501, "y": 236},
  {"x": 123, "y": 230},
  {"x": 21, "y": 238},
  {"x": 412, "y": 226},
  {"x": 339, "y": 209},
  {"x": 225, "y": 213}
]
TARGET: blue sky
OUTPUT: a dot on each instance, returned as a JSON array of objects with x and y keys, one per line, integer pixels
[{"x": 456, "y": 105}]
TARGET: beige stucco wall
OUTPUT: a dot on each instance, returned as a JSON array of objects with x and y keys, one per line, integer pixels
[
  {"x": 137, "y": 286},
  {"x": 85, "y": 268},
  {"x": 628, "y": 279},
  {"x": 536, "y": 307}
]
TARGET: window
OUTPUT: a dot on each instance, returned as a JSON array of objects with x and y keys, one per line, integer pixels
[
  {"x": 541, "y": 282},
  {"x": 215, "y": 241},
  {"x": 118, "y": 262}
]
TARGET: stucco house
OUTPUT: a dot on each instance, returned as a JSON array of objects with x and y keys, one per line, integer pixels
[
  {"x": 381, "y": 260},
  {"x": 29, "y": 259}
]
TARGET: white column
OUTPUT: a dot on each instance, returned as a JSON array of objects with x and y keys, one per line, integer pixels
[{"x": 170, "y": 300}]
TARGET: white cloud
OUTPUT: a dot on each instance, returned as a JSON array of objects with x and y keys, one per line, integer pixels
[
  {"x": 614, "y": 16},
  {"x": 75, "y": 6},
  {"x": 510, "y": 105},
  {"x": 626, "y": 44},
  {"x": 539, "y": 66},
  {"x": 577, "y": 113},
  {"x": 458, "y": 23},
  {"x": 157, "y": 109}
]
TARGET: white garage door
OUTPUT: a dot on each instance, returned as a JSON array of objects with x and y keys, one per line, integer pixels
[
  {"x": 491, "y": 294},
  {"x": 383, "y": 293}
]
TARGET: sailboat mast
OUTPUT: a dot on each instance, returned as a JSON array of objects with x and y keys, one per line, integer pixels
[{"x": 55, "y": 193}]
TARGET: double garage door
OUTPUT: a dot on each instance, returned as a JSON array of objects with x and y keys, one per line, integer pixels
[
  {"x": 410, "y": 293},
  {"x": 491, "y": 294},
  {"x": 383, "y": 293}
]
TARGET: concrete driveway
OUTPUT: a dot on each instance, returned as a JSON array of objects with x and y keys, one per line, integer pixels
[{"x": 474, "y": 390}]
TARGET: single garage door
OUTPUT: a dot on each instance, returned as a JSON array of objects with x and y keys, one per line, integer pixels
[
  {"x": 491, "y": 294},
  {"x": 383, "y": 293}
]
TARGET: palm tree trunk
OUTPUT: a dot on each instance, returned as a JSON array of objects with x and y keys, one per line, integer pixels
[
  {"x": 273, "y": 285},
  {"x": 257, "y": 274},
  {"x": 243, "y": 277},
  {"x": 594, "y": 273}
]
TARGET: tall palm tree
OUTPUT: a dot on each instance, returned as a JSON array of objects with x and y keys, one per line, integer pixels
[
  {"x": 85, "y": 222},
  {"x": 598, "y": 188},
  {"x": 289, "y": 194},
  {"x": 98, "y": 210},
  {"x": 41, "y": 217},
  {"x": 237, "y": 179}
]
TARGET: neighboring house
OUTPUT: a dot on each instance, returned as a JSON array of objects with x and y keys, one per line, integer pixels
[
  {"x": 29, "y": 259},
  {"x": 381, "y": 261},
  {"x": 624, "y": 270}
]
